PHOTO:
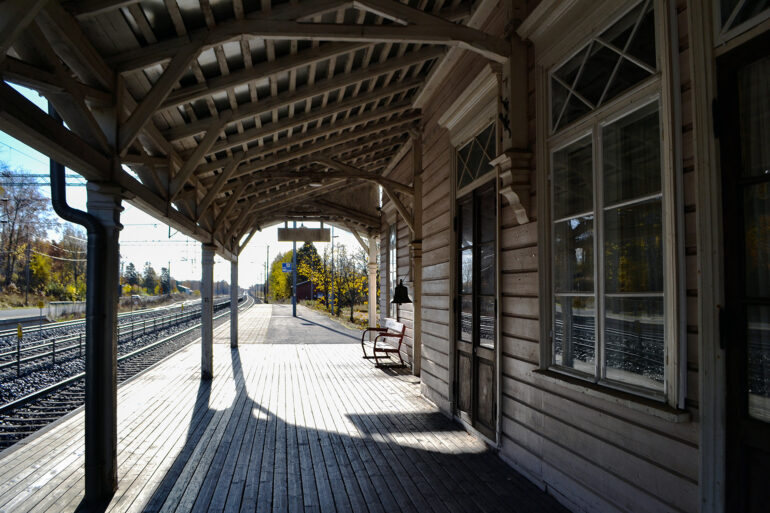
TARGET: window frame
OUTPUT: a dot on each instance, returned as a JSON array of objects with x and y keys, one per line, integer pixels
[{"x": 658, "y": 87}]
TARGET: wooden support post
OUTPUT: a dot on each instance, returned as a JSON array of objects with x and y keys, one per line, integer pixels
[
  {"x": 416, "y": 247},
  {"x": 234, "y": 303},
  {"x": 207, "y": 311},
  {"x": 101, "y": 403},
  {"x": 372, "y": 268}
]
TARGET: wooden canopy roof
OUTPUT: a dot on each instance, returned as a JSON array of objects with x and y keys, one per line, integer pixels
[{"x": 224, "y": 116}]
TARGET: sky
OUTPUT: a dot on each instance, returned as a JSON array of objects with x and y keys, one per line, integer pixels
[{"x": 146, "y": 239}]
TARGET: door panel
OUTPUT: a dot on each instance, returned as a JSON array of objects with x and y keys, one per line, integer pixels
[
  {"x": 464, "y": 379},
  {"x": 744, "y": 135},
  {"x": 476, "y": 315},
  {"x": 485, "y": 397}
]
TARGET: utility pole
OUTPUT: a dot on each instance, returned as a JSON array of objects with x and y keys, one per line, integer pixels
[{"x": 26, "y": 289}]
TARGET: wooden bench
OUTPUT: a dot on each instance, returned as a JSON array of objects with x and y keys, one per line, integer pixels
[{"x": 388, "y": 340}]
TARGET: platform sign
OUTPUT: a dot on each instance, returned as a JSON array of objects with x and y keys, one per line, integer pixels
[
  {"x": 304, "y": 234},
  {"x": 286, "y": 267}
]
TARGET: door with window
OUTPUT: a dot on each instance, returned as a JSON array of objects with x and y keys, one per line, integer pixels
[
  {"x": 476, "y": 309},
  {"x": 744, "y": 134}
]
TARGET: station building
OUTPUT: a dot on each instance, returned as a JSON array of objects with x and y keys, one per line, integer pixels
[{"x": 576, "y": 194}]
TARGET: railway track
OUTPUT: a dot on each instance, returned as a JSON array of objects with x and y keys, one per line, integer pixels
[{"x": 23, "y": 417}]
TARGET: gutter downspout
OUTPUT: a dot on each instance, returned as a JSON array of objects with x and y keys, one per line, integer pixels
[{"x": 100, "y": 473}]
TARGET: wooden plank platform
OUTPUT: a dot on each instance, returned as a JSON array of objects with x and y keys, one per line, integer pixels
[{"x": 304, "y": 426}]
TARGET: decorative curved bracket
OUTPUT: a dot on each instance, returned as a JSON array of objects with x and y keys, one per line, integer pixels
[{"x": 514, "y": 168}]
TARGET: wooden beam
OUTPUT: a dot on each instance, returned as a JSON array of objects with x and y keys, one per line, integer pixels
[
  {"x": 27, "y": 75},
  {"x": 277, "y": 24},
  {"x": 160, "y": 90},
  {"x": 261, "y": 70},
  {"x": 318, "y": 114},
  {"x": 399, "y": 207},
  {"x": 70, "y": 104},
  {"x": 243, "y": 245},
  {"x": 361, "y": 242},
  {"x": 24, "y": 121},
  {"x": 309, "y": 91},
  {"x": 225, "y": 175},
  {"x": 496, "y": 49},
  {"x": 355, "y": 172},
  {"x": 310, "y": 136},
  {"x": 344, "y": 211},
  {"x": 286, "y": 156},
  {"x": 15, "y": 15},
  {"x": 188, "y": 168},
  {"x": 89, "y": 8}
]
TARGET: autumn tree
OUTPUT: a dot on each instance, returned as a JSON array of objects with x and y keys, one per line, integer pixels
[
  {"x": 280, "y": 284},
  {"x": 131, "y": 276},
  {"x": 26, "y": 215},
  {"x": 149, "y": 278},
  {"x": 350, "y": 280}
]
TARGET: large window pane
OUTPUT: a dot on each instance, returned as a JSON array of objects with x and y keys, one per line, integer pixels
[
  {"x": 754, "y": 105},
  {"x": 487, "y": 316},
  {"x": 633, "y": 340},
  {"x": 466, "y": 318},
  {"x": 466, "y": 224},
  {"x": 466, "y": 271},
  {"x": 574, "y": 333},
  {"x": 757, "y": 233},
  {"x": 573, "y": 179},
  {"x": 631, "y": 156},
  {"x": 487, "y": 269},
  {"x": 633, "y": 248},
  {"x": 758, "y": 341},
  {"x": 573, "y": 255}
]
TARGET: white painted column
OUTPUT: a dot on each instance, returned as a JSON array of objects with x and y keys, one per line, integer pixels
[
  {"x": 207, "y": 312},
  {"x": 101, "y": 401},
  {"x": 234, "y": 303},
  {"x": 372, "y": 268}
]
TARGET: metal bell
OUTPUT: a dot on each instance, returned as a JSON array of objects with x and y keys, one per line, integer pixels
[{"x": 401, "y": 295}]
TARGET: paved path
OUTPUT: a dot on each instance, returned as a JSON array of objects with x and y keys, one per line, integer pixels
[{"x": 283, "y": 427}]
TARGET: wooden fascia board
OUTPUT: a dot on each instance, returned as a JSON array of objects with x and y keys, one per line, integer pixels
[
  {"x": 439, "y": 73},
  {"x": 24, "y": 121},
  {"x": 308, "y": 91}
]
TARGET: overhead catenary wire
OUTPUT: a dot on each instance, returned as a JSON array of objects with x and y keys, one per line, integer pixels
[{"x": 59, "y": 258}]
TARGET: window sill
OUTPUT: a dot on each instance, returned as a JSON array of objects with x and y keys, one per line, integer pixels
[{"x": 640, "y": 404}]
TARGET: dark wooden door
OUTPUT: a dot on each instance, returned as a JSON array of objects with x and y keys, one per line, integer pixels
[
  {"x": 743, "y": 126},
  {"x": 476, "y": 317}
]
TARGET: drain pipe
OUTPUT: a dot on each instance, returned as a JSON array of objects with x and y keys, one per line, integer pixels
[{"x": 100, "y": 473}]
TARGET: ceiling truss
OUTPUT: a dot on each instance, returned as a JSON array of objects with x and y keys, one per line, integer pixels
[{"x": 230, "y": 119}]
